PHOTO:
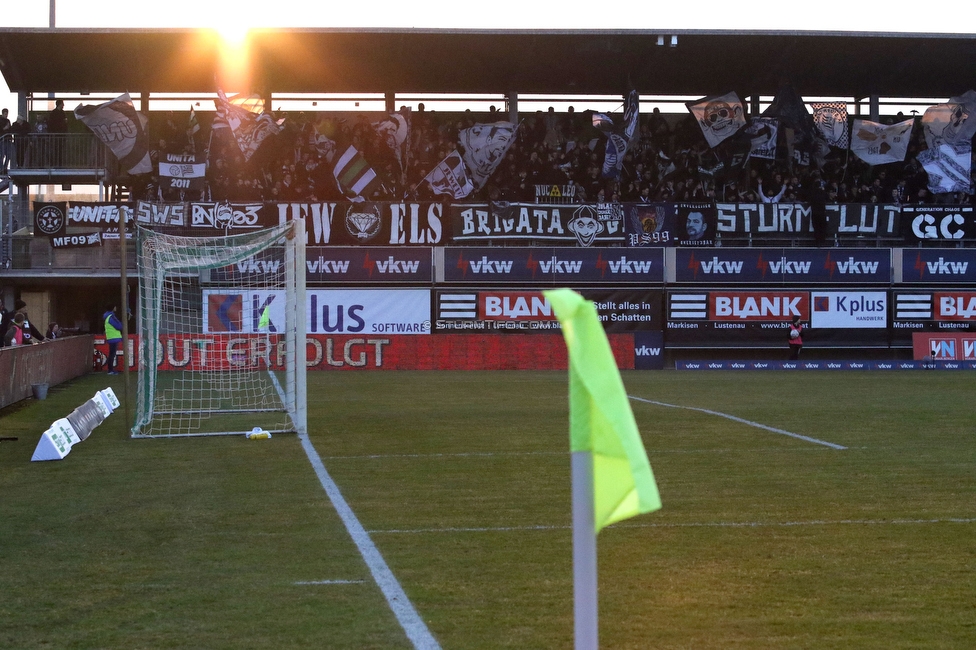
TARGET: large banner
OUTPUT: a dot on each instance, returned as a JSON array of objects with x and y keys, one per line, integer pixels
[
  {"x": 338, "y": 264},
  {"x": 871, "y": 219},
  {"x": 948, "y": 223},
  {"x": 755, "y": 319},
  {"x": 368, "y": 223},
  {"x": 939, "y": 265},
  {"x": 328, "y": 311},
  {"x": 511, "y": 310},
  {"x": 599, "y": 224},
  {"x": 559, "y": 266},
  {"x": 476, "y": 351},
  {"x": 783, "y": 265}
]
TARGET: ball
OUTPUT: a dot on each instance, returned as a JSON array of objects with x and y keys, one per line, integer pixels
[{"x": 794, "y": 333}]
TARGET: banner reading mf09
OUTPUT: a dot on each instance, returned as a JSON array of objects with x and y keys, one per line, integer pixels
[{"x": 327, "y": 311}]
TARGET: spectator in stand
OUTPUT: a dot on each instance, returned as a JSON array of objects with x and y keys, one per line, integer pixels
[
  {"x": 113, "y": 336},
  {"x": 54, "y": 331},
  {"x": 15, "y": 333},
  {"x": 57, "y": 124},
  {"x": 5, "y": 148},
  {"x": 6, "y": 317},
  {"x": 31, "y": 333}
]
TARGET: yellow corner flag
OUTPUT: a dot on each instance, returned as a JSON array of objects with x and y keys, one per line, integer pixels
[{"x": 600, "y": 419}]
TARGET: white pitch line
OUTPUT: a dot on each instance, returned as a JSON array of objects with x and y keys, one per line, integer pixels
[
  {"x": 397, "y": 599},
  {"x": 329, "y": 582},
  {"x": 743, "y": 421},
  {"x": 697, "y": 524}
]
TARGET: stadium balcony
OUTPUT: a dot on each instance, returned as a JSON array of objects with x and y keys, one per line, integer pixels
[{"x": 50, "y": 159}]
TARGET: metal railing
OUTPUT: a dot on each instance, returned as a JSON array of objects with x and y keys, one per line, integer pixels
[{"x": 47, "y": 151}]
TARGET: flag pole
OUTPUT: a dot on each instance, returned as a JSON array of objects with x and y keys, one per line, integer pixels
[{"x": 584, "y": 553}]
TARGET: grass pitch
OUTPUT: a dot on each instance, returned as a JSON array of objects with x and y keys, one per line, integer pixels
[{"x": 462, "y": 481}]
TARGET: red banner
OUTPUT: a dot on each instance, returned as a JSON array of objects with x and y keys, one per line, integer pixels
[
  {"x": 207, "y": 352},
  {"x": 944, "y": 346}
]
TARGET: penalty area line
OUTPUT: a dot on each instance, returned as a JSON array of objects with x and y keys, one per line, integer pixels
[
  {"x": 742, "y": 421},
  {"x": 396, "y": 597}
]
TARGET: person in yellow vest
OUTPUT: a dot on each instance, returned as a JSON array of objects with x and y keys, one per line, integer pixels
[{"x": 113, "y": 336}]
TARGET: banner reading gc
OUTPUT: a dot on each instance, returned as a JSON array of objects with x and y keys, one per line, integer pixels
[{"x": 569, "y": 266}]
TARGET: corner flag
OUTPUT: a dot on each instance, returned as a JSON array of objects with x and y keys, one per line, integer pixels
[
  {"x": 612, "y": 478},
  {"x": 600, "y": 419}
]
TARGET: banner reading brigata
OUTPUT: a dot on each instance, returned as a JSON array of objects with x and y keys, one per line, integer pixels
[
  {"x": 598, "y": 224},
  {"x": 328, "y": 311},
  {"x": 783, "y": 265},
  {"x": 564, "y": 266}
]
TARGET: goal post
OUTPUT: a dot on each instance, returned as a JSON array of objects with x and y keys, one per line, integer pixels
[{"x": 221, "y": 324}]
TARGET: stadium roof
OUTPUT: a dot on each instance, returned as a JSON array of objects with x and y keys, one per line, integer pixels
[{"x": 466, "y": 61}]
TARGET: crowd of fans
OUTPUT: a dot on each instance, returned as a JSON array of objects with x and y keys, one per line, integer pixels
[{"x": 669, "y": 160}]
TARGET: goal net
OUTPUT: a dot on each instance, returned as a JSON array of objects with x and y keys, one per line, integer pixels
[{"x": 221, "y": 323}]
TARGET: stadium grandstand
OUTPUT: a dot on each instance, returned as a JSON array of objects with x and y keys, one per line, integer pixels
[{"x": 829, "y": 165}]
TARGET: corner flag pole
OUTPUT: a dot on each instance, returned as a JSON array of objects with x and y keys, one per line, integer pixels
[{"x": 585, "y": 617}]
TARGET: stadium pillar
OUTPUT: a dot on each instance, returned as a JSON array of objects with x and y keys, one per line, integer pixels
[
  {"x": 512, "y": 101},
  {"x": 390, "y": 102},
  {"x": 754, "y": 105},
  {"x": 875, "y": 108},
  {"x": 144, "y": 102}
]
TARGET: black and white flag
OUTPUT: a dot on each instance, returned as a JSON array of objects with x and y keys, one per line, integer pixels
[
  {"x": 122, "y": 129},
  {"x": 250, "y": 129},
  {"x": 830, "y": 118},
  {"x": 948, "y": 167},
  {"x": 952, "y": 123},
  {"x": 719, "y": 117},
  {"x": 484, "y": 146},
  {"x": 449, "y": 177}
]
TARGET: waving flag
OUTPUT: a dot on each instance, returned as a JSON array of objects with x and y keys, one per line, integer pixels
[
  {"x": 948, "y": 167},
  {"x": 830, "y": 118},
  {"x": 122, "y": 129},
  {"x": 484, "y": 147},
  {"x": 620, "y": 138},
  {"x": 719, "y": 117},
  {"x": 762, "y": 132},
  {"x": 394, "y": 133},
  {"x": 354, "y": 174},
  {"x": 877, "y": 144},
  {"x": 250, "y": 129},
  {"x": 951, "y": 123},
  {"x": 449, "y": 177}
]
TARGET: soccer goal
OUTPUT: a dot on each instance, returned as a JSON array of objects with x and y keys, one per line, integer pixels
[{"x": 221, "y": 323}]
